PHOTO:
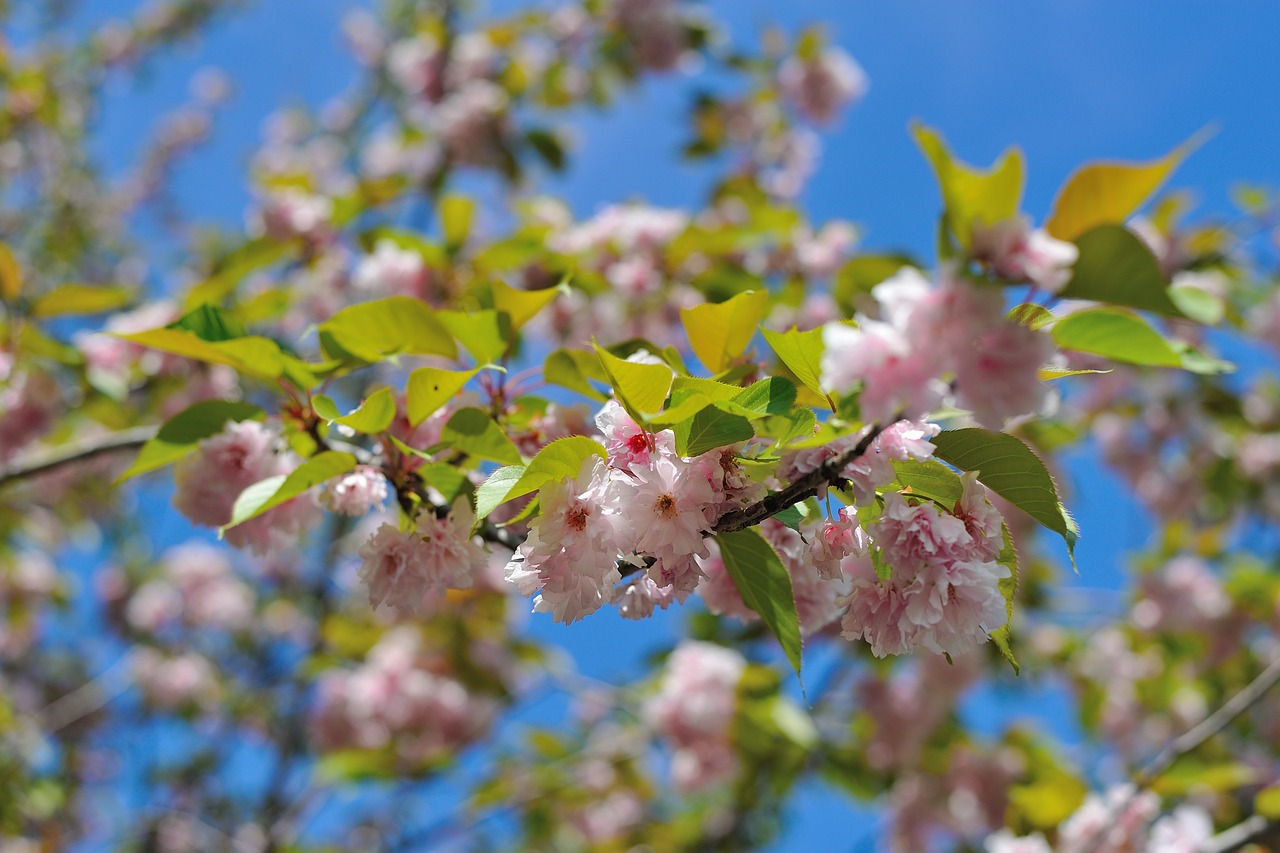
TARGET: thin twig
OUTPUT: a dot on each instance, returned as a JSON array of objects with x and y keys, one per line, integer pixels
[
  {"x": 1255, "y": 828},
  {"x": 32, "y": 464}
]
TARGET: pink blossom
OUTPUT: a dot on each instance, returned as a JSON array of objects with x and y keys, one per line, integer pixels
[
  {"x": 1017, "y": 253},
  {"x": 473, "y": 123},
  {"x": 820, "y": 86},
  {"x": 357, "y": 492},
  {"x": 818, "y": 597},
  {"x": 998, "y": 371},
  {"x": 209, "y": 481},
  {"x": 627, "y": 442},
  {"x": 877, "y": 612},
  {"x": 1117, "y": 822},
  {"x": 1184, "y": 830},
  {"x": 654, "y": 29},
  {"x": 391, "y": 271},
  {"x": 570, "y": 556},
  {"x": 1005, "y": 841},
  {"x": 892, "y": 373},
  {"x": 28, "y": 404},
  {"x": 634, "y": 277},
  {"x": 719, "y": 592},
  {"x": 955, "y": 607},
  {"x": 832, "y": 540},
  {"x": 173, "y": 683},
  {"x": 693, "y": 711},
  {"x": 401, "y": 568},
  {"x": 289, "y": 213},
  {"x": 664, "y": 508},
  {"x": 913, "y": 536}
]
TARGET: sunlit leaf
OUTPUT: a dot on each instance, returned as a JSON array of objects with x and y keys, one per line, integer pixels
[
  {"x": 720, "y": 332},
  {"x": 267, "y": 494},
  {"x": 180, "y": 435},
  {"x": 765, "y": 586}
]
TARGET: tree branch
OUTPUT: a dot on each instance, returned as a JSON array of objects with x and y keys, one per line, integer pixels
[
  {"x": 1248, "y": 831},
  {"x": 32, "y": 464},
  {"x": 801, "y": 489}
]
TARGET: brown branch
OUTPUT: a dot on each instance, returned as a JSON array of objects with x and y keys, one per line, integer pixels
[
  {"x": 801, "y": 489},
  {"x": 32, "y": 464}
]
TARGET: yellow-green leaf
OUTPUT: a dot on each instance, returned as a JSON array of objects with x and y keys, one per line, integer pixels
[
  {"x": 180, "y": 435},
  {"x": 1110, "y": 192},
  {"x": 475, "y": 433},
  {"x": 522, "y": 305},
  {"x": 801, "y": 352},
  {"x": 429, "y": 388},
  {"x": 641, "y": 388},
  {"x": 79, "y": 299},
  {"x": 373, "y": 415},
  {"x": 273, "y": 491},
  {"x": 252, "y": 356},
  {"x": 384, "y": 328},
  {"x": 972, "y": 196},
  {"x": 10, "y": 274},
  {"x": 720, "y": 332}
]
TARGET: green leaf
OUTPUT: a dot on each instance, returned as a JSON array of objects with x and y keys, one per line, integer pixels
[
  {"x": 384, "y": 328},
  {"x": 475, "y": 433},
  {"x": 1267, "y": 802},
  {"x": 79, "y": 299},
  {"x": 930, "y": 479},
  {"x": 710, "y": 428},
  {"x": 1031, "y": 315},
  {"x": 764, "y": 585},
  {"x": 10, "y": 275},
  {"x": 374, "y": 415},
  {"x": 259, "y": 358},
  {"x": 771, "y": 396},
  {"x": 1200, "y": 305},
  {"x": 801, "y": 352},
  {"x": 1109, "y": 193},
  {"x": 456, "y": 213},
  {"x": 486, "y": 334},
  {"x": 1012, "y": 470},
  {"x": 1117, "y": 268},
  {"x": 523, "y": 305},
  {"x": 179, "y": 435},
  {"x": 495, "y": 490},
  {"x": 1116, "y": 334},
  {"x": 267, "y": 494},
  {"x": 571, "y": 369},
  {"x": 720, "y": 332},
  {"x": 972, "y": 196},
  {"x": 640, "y": 388},
  {"x": 1003, "y": 636},
  {"x": 560, "y": 460},
  {"x": 429, "y": 388},
  {"x": 446, "y": 479},
  {"x": 210, "y": 324}
]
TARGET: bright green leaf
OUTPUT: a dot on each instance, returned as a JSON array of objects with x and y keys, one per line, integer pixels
[
  {"x": 560, "y": 460},
  {"x": 764, "y": 585},
  {"x": 522, "y": 305},
  {"x": 79, "y": 299},
  {"x": 710, "y": 428},
  {"x": 1012, "y": 470},
  {"x": 720, "y": 332},
  {"x": 179, "y": 435},
  {"x": 210, "y": 324},
  {"x": 571, "y": 369},
  {"x": 384, "y": 328},
  {"x": 256, "y": 357},
  {"x": 267, "y": 494},
  {"x": 972, "y": 196},
  {"x": 641, "y": 388},
  {"x": 475, "y": 433},
  {"x": 374, "y": 415},
  {"x": 801, "y": 352},
  {"x": 429, "y": 388},
  {"x": 1116, "y": 334},
  {"x": 456, "y": 213},
  {"x": 486, "y": 334},
  {"x": 494, "y": 491},
  {"x": 1117, "y": 268}
]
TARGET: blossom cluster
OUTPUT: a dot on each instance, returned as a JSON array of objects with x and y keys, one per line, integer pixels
[
  {"x": 901, "y": 359},
  {"x": 693, "y": 711},
  {"x": 403, "y": 697},
  {"x": 1124, "y": 820}
]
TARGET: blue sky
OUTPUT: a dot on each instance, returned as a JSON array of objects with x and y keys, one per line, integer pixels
[{"x": 1068, "y": 81}]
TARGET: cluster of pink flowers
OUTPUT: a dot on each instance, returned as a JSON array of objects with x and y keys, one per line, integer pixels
[
  {"x": 288, "y": 214},
  {"x": 26, "y": 584},
  {"x": 655, "y": 30},
  {"x": 209, "y": 481},
  {"x": 942, "y": 587},
  {"x": 391, "y": 271},
  {"x": 29, "y": 402},
  {"x": 1123, "y": 820},
  {"x": 648, "y": 508},
  {"x": 408, "y": 569},
  {"x": 404, "y": 698},
  {"x": 820, "y": 86},
  {"x": 900, "y": 441},
  {"x": 693, "y": 711},
  {"x": 198, "y": 586},
  {"x": 1016, "y": 252},
  {"x": 174, "y": 683},
  {"x": 358, "y": 492},
  {"x": 899, "y": 361}
]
